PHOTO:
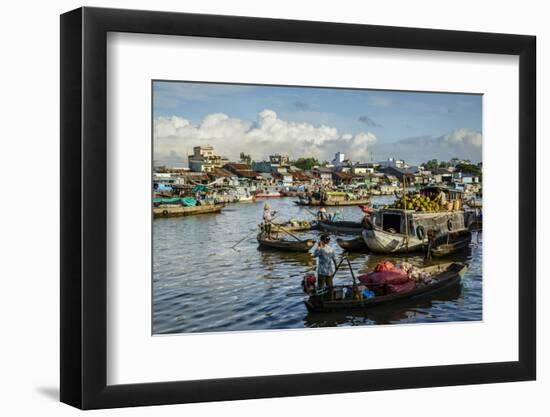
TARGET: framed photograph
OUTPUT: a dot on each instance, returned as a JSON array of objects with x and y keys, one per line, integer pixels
[{"x": 260, "y": 208}]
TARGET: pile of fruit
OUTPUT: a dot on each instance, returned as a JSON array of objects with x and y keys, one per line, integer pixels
[{"x": 417, "y": 203}]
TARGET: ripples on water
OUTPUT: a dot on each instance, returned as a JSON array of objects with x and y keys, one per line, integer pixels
[{"x": 200, "y": 284}]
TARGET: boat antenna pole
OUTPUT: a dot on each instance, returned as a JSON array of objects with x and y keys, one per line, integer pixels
[{"x": 405, "y": 213}]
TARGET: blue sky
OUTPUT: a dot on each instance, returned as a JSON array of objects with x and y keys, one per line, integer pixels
[{"x": 396, "y": 123}]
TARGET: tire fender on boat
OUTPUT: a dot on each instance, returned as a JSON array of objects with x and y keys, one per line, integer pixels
[
  {"x": 165, "y": 213},
  {"x": 450, "y": 225},
  {"x": 420, "y": 232}
]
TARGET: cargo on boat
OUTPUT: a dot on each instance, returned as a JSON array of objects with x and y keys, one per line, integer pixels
[
  {"x": 443, "y": 276},
  {"x": 292, "y": 226},
  {"x": 285, "y": 245}
]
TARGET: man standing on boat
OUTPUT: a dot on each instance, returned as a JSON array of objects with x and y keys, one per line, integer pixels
[
  {"x": 322, "y": 214},
  {"x": 326, "y": 263},
  {"x": 267, "y": 218}
]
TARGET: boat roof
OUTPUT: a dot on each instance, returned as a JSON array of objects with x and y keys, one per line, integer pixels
[{"x": 440, "y": 188}]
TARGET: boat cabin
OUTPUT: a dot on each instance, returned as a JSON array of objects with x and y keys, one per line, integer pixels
[{"x": 393, "y": 221}]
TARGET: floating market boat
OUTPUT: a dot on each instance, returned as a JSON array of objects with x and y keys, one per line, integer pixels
[
  {"x": 400, "y": 230},
  {"x": 268, "y": 193},
  {"x": 451, "y": 243},
  {"x": 355, "y": 244},
  {"x": 179, "y": 210},
  {"x": 344, "y": 227},
  {"x": 443, "y": 276},
  {"x": 246, "y": 198},
  {"x": 285, "y": 245},
  {"x": 332, "y": 199}
]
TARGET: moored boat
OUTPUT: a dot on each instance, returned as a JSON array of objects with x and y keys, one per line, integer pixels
[
  {"x": 443, "y": 276},
  {"x": 285, "y": 245},
  {"x": 268, "y": 193},
  {"x": 179, "y": 210},
  {"x": 452, "y": 243},
  {"x": 400, "y": 230}
]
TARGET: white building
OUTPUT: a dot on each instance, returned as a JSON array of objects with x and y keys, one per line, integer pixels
[
  {"x": 338, "y": 160},
  {"x": 204, "y": 159},
  {"x": 393, "y": 163}
]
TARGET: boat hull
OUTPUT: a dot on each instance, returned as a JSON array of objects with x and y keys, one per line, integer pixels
[
  {"x": 179, "y": 211},
  {"x": 284, "y": 245},
  {"x": 381, "y": 241},
  {"x": 355, "y": 244},
  {"x": 350, "y": 228}
]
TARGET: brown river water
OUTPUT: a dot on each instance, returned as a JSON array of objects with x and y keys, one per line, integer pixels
[{"x": 201, "y": 284}]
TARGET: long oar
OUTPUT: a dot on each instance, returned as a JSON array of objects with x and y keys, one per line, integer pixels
[{"x": 244, "y": 238}]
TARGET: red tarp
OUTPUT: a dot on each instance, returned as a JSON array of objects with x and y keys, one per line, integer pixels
[{"x": 387, "y": 279}]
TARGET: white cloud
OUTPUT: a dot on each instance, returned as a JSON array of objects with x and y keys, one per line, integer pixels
[
  {"x": 463, "y": 137},
  {"x": 174, "y": 138},
  {"x": 461, "y": 143}
]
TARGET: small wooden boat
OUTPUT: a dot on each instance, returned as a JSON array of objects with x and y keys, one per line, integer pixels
[
  {"x": 331, "y": 203},
  {"x": 179, "y": 210},
  {"x": 444, "y": 276},
  {"x": 452, "y": 243},
  {"x": 344, "y": 227},
  {"x": 355, "y": 244},
  {"x": 286, "y": 245},
  {"x": 337, "y": 203}
]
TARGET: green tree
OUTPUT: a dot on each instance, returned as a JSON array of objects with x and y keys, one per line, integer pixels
[
  {"x": 466, "y": 168},
  {"x": 431, "y": 165},
  {"x": 305, "y": 163},
  {"x": 246, "y": 158}
]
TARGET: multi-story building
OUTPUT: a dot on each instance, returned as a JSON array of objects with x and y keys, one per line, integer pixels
[{"x": 204, "y": 159}]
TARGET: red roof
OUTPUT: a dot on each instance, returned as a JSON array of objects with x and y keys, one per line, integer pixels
[{"x": 241, "y": 170}]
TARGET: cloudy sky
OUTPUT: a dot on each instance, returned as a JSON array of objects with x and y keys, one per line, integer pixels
[{"x": 367, "y": 125}]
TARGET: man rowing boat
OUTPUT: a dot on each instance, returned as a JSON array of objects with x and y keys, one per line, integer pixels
[
  {"x": 326, "y": 263},
  {"x": 267, "y": 218}
]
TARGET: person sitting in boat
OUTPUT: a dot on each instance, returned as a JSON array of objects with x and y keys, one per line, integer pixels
[
  {"x": 337, "y": 217},
  {"x": 326, "y": 263},
  {"x": 267, "y": 218},
  {"x": 322, "y": 214},
  {"x": 441, "y": 198}
]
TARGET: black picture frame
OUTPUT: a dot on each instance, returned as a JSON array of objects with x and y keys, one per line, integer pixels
[{"x": 84, "y": 207}]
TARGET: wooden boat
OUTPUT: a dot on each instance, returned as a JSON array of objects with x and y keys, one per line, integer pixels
[
  {"x": 331, "y": 203},
  {"x": 355, "y": 244},
  {"x": 179, "y": 210},
  {"x": 337, "y": 203},
  {"x": 345, "y": 227},
  {"x": 268, "y": 193},
  {"x": 445, "y": 276},
  {"x": 453, "y": 243},
  {"x": 403, "y": 231},
  {"x": 286, "y": 245}
]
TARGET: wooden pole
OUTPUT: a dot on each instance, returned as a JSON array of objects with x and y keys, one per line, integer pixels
[{"x": 405, "y": 213}]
